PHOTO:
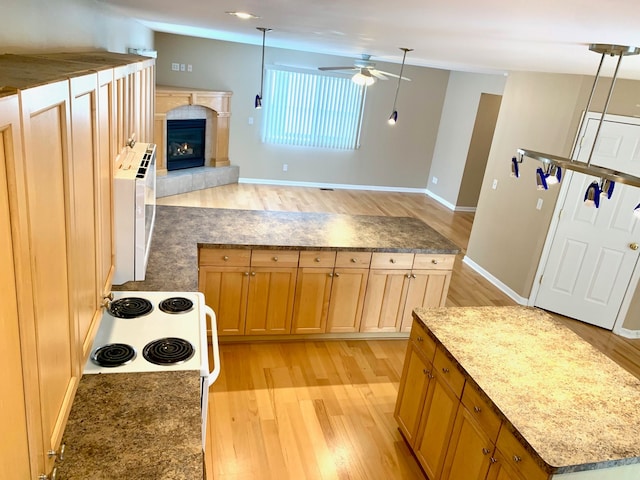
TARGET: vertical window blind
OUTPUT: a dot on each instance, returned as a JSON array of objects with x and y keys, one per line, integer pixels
[{"x": 313, "y": 110}]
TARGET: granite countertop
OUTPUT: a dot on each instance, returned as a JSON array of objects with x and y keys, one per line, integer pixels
[
  {"x": 577, "y": 409},
  {"x": 136, "y": 426},
  {"x": 178, "y": 231}
]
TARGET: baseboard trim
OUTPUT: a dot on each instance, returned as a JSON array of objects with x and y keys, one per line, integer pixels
[
  {"x": 496, "y": 282},
  {"x": 449, "y": 205},
  {"x": 627, "y": 333},
  {"x": 338, "y": 186}
]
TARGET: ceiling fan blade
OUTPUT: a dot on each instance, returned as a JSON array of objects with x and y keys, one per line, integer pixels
[
  {"x": 378, "y": 74},
  {"x": 337, "y": 68},
  {"x": 393, "y": 75}
]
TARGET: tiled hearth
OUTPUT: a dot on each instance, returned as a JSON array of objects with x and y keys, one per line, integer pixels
[{"x": 190, "y": 179}]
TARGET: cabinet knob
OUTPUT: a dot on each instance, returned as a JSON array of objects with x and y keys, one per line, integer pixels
[
  {"x": 337, "y": 274},
  {"x": 434, "y": 261},
  {"x": 53, "y": 476},
  {"x": 392, "y": 260},
  {"x": 408, "y": 275},
  {"x": 445, "y": 370},
  {"x": 420, "y": 339},
  {"x": 59, "y": 455},
  {"x": 253, "y": 274},
  {"x": 275, "y": 259},
  {"x": 354, "y": 260},
  {"x": 317, "y": 259},
  {"x": 413, "y": 275},
  {"x": 493, "y": 460},
  {"x": 485, "y": 451},
  {"x": 477, "y": 409},
  {"x": 517, "y": 459},
  {"x": 330, "y": 275},
  {"x": 430, "y": 375},
  {"x": 426, "y": 371},
  {"x": 225, "y": 258}
]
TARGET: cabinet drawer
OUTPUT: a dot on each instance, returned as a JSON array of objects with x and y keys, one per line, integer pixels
[
  {"x": 353, "y": 259},
  {"x": 518, "y": 457},
  {"x": 434, "y": 262},
  {"x": 392, "y": 260},
  {"x": 423, "y": 341},
  {"x": 446, "y": 368},
  {"x": 274, "y": 258},
  {"x": 317, "y": 259},
  {"x": 481, "y": 411},
  {"x": 225, "y": 257}
]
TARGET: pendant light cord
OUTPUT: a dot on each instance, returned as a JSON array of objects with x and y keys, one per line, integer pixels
[{"x": 400, "y": 77}]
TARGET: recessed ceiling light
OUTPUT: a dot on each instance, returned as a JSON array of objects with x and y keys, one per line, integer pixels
[{"x": 243, "y": 15}]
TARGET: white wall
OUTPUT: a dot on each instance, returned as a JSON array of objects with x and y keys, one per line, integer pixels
[
  {"x": 30, "y": 26},
  {"x": 456, "y": 127},
  {"x": 398, "y": 156}
]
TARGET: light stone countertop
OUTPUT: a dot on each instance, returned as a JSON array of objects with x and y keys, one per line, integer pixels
[
  {"x": 178, "y": 231},
  {"x": 135, "y": 426},
  {"x": 574, "y": 406}
]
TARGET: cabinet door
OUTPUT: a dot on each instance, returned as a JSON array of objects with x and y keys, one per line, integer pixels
[
  {"x": 384, "y": 300},
  {"x": 415, "y": 378},
  {"x": 270, "y": 300},
  {"x": 14, "y": 449},
  {"x": 225, "y": 290},
  {"x": 469, "y": 451},
  {"x": 436, "y": 424},
  {"x": 84, "y": 214},
  {"x": 104, "y": 183},
  {"x": 311, "y": 306},
  {"x": 427, "y": 288},
  {"x": 47, "y": 149},
  {"x": 347, "y": 299}
]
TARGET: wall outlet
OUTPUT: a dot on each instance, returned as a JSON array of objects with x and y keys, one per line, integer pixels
[
  {"x": 494, "y": 185},
  {"x": 250, "y": 121},
  {"x": 189, "y": 68},
  {"x": 285, "y": 167},
  {"x": 182, "y": 67},
  {"x": 539, "y": 204},
  {"x": 434, "y": 180},
  {"x": 175, "y": 67}
]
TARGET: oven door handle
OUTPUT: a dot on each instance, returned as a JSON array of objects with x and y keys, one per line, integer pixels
[{"x": 213, "y": 375}]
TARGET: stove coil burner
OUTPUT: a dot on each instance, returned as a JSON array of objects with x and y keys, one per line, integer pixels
[
  {"x": 168, "y": 351},
  {"x": 130, "y": 307},
  {"x": 113, "y": 355},
  {"x": 176, "y": 305}
]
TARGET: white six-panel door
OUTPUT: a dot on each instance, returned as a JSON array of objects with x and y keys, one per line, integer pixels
[{"x": 592, "y": 256}]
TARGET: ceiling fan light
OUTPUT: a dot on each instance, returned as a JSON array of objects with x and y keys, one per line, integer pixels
[
  {"x": 592, "y": 195},
  {"x": 243, "y": 15},
  {"x": 393, "y": 118},
  {"x": 364, "y": 77},
  {"x": 258, "y": 102}
]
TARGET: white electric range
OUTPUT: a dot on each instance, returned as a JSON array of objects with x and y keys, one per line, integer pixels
[{"x": 157, "y": 331}]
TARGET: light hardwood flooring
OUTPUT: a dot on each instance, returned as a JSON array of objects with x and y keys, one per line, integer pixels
[{"x": 324, "y": 409}]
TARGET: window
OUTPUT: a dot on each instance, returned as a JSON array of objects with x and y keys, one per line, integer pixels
[{"x": 311, "y": 109}]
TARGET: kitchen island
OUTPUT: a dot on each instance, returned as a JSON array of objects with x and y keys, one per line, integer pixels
[
  {"x": 540, "y": 400},
  {"x": 134, "y": 426}
]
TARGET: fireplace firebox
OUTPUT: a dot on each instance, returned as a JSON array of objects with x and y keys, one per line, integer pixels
[{"x": 185, "y": 143}]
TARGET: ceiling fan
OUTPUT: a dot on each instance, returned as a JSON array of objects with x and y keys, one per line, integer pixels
[{"x": 366, "y": 71}]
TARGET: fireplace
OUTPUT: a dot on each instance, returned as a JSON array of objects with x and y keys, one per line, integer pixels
[{"x": 185, "y": 143}]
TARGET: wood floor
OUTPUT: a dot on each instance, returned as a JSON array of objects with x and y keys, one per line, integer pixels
[{"x": 324, "y": 409}]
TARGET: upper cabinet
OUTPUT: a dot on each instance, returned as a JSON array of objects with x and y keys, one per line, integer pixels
[{"x": 58, "y": 145}]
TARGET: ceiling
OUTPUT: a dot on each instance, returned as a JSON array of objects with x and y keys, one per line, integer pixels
[{"x": 490, "y": 36}]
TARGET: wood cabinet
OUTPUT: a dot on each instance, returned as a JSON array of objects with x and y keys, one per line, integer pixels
[
  {"x": 416, "y": 374},
  {"x": 399, "y": 282},
  {"x": 56, "y": 154},
  {"x": 251, "y": 292},
  {"x": 350, "y": 278}
]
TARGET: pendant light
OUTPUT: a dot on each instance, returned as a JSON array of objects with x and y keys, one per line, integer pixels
[
  {"x": 394, "y": 115},
  {"x": 258, "y": 101},
  {"x": 552, "y": 165}
]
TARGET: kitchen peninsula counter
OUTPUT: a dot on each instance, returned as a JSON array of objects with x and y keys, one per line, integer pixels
[
  {"x": 135, "y": 426},
  {"x": 571, "y": 406},
  {"x": 179, "y": 231}
]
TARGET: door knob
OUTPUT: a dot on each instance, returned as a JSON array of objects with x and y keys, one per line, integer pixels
[{"x": 633, "y": 246}]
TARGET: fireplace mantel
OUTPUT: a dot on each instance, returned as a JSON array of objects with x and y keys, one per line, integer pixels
[{"x": 170, "y": 98}]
